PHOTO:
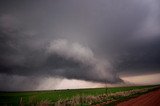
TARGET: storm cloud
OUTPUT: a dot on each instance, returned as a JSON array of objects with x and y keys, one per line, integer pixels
[{"x": 85, "y": 40}]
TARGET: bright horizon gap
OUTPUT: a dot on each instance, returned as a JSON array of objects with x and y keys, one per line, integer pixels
[{"x": 148, "y": 79}]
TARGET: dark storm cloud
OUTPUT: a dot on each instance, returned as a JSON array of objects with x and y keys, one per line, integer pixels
[
  {"x": 23, "y": 55},
  {"x": 59, "y": 57},
  {"x": 89, "y": 40},
  {"x": 17, "y": 83}
]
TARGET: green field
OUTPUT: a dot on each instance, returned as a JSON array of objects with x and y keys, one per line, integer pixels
[{"x": 13, "y": 98}]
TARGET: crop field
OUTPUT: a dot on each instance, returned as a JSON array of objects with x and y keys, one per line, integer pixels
[{"x": 28, "y": 97}]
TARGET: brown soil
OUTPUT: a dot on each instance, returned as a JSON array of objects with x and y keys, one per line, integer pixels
[{"x": 149, "y": 99}]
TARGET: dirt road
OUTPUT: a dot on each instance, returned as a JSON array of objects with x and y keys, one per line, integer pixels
[{"x": 149, "y": 99}]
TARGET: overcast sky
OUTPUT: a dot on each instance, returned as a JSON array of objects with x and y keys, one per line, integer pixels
[{"x": 84, "y": 40}]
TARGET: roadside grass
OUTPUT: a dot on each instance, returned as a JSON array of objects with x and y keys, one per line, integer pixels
[
  {"x": 52, "y": 96},
  {"x": 125, "y": 98}
]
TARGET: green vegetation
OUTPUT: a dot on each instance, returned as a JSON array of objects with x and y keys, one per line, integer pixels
[{"x": 14, "y": 98}]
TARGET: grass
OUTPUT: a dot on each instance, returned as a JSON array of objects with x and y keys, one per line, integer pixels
[{"x": 27, "y": 97}]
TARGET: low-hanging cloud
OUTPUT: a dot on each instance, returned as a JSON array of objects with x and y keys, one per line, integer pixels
[
  {"x": 95, "y": 68},
  {"x": 24, "y": 57},
  {"x": 62, "y": 59}
]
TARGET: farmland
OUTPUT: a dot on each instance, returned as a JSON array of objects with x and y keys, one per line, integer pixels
[{"x": 28, "y": 97}]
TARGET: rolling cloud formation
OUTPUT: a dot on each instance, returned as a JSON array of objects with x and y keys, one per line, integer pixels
[{"x": 85, "y": 40}]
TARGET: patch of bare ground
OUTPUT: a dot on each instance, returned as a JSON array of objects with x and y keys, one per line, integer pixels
[{"x": 149, "y": 99}]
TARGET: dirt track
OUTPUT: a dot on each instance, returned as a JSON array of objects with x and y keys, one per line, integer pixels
[{"x": 149, "y": 99}]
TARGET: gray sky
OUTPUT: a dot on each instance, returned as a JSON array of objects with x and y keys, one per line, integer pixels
[{"x": 91, "y": 40}]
